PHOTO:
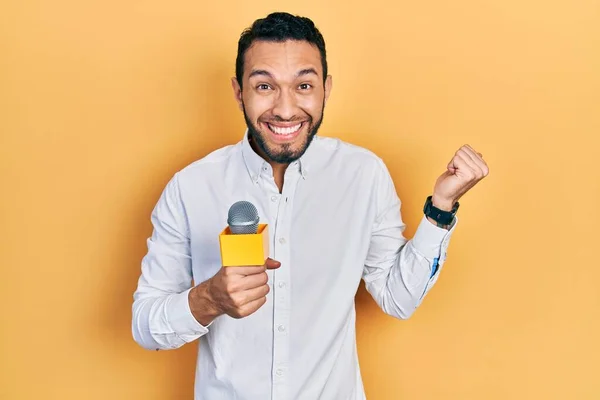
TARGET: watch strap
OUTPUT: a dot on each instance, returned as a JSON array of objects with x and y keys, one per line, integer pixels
[{"x": 440, "y": 216}]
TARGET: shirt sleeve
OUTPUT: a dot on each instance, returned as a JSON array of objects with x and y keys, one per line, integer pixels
[
  {"x": 161, "y": 315},
  {"x": 399, "y": 273}
]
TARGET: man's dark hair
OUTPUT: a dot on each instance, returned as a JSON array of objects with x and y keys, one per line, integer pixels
[{"x": 279, "y": 27}]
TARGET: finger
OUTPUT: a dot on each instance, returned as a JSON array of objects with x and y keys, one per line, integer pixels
[
  {"x": 248, "y": 296},
  {"x": 245, "y": 270},
  {"x": 474, "y": 152},
  {"x": 471, "y": 164},
  {"x": 253, "y": 281},
  {"x": 251, "y": 307},
  {"x": 462, "y": 163},
  {"x": 452, "y": 166},
  {"x": 478, "y": 158},
  {"x": 458, "y": 163},
  {"x": 471, "y": 153},
  {"x": 272, "y": 264}
]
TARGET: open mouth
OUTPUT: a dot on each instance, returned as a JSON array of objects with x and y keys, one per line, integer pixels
[{"x": 284, "y": 132}]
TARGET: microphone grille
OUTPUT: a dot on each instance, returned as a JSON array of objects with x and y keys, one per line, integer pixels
[{"x": 243, "y": 218}]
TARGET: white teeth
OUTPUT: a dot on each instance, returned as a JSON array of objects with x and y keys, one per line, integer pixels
[{"x": 285, "y": 131}]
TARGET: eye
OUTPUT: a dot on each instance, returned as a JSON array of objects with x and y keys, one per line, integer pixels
[
  {"x": 305, "y": 86},
  {"x": 263, "y": 86}
]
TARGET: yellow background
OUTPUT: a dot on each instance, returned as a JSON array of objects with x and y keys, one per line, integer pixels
[{"x": 101, "y": 102}]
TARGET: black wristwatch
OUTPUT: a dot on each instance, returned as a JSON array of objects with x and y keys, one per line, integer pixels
[{"x": 440, "y": 216}]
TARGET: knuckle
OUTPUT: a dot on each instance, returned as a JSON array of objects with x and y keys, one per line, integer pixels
[
  {"x": 237, "y": 299},
  {"x": 243, "y": 298},
  {"x": 230, "y": 287},
  {"x": 264, "y": 277}
]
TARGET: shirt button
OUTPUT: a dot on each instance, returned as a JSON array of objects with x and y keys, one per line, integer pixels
[
  {"x": 281, "y": 284},
  {"x": 281, "y": 328},
  {"x": 282, "y": 240},
  {"x": 273, "y": 198},
  {"x": 279, "y": 372}
]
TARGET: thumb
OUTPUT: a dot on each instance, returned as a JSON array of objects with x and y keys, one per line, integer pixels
[
  {"x": 272, "y": 264},
  {"x": 451, "y": 168}
]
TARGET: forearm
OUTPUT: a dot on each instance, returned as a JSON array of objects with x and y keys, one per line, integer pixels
[
  {"x": 400, "y": 284},
  {"x": 398, "y": 273},
  {"x": 202, "y": 305},
  {"x": 402, "y": 291}
]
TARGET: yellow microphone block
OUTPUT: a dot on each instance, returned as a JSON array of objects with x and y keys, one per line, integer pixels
[{"x": 244, "y": 249}]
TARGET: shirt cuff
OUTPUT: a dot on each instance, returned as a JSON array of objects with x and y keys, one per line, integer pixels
[
  {"x": 181, "y": 319},
  {"x": 429, "y": 239}
]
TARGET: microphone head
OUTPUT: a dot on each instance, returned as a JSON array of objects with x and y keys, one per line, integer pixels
[{"x": 243, "y": 218}]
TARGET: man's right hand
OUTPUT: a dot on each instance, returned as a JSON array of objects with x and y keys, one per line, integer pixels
[{"x": 235, "y": 291}]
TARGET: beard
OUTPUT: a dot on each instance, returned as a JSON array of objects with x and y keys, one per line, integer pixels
[{"x": 284, "y": 154}]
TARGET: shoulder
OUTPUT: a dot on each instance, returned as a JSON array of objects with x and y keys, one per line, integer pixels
[
  {"x": 337, "y": 150},
  {"x": 211, "y": 164}
]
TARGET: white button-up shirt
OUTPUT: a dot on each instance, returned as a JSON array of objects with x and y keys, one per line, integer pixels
[{"x": 336, "y": 221}]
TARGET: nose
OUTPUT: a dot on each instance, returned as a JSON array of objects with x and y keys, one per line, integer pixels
[{"x": 285, "y": 105}]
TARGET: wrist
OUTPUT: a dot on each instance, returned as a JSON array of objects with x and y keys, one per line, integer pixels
[
  {"x": 442, "y": 204},
  {"x": 440, "y": 212},
  {"x": 202, "y": 306}
]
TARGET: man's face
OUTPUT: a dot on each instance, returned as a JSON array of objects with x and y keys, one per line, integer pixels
[{"x": 283, "y": 97}]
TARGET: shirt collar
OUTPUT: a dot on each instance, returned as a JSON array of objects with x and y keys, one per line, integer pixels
[{"x": 255, "y": 163}]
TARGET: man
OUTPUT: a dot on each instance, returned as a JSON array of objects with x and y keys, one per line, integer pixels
[{"x": 286, "y": 330}]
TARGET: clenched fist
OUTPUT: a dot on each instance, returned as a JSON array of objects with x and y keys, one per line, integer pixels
[
  {"x": 464, "y": 171},
  {"x": 235, "y": 291}
]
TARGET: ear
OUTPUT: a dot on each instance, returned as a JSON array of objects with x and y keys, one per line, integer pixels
[
  {"x": 237, "y": 92},
  {"x": 328, "y": 86}
]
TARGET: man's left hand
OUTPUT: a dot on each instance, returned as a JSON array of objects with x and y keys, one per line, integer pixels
[{"x": 465, "y": 170}]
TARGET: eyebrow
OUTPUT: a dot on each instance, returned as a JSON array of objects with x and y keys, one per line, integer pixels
[
  {"x": 263, "y": 72},
  {"x": 307, "y": 71},
  {"x": 258, "y": 72}
]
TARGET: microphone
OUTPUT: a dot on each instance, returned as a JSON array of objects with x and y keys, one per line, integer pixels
[
  {"x": 243, "y": 218},
  {"x": 244, "y": 241}
]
